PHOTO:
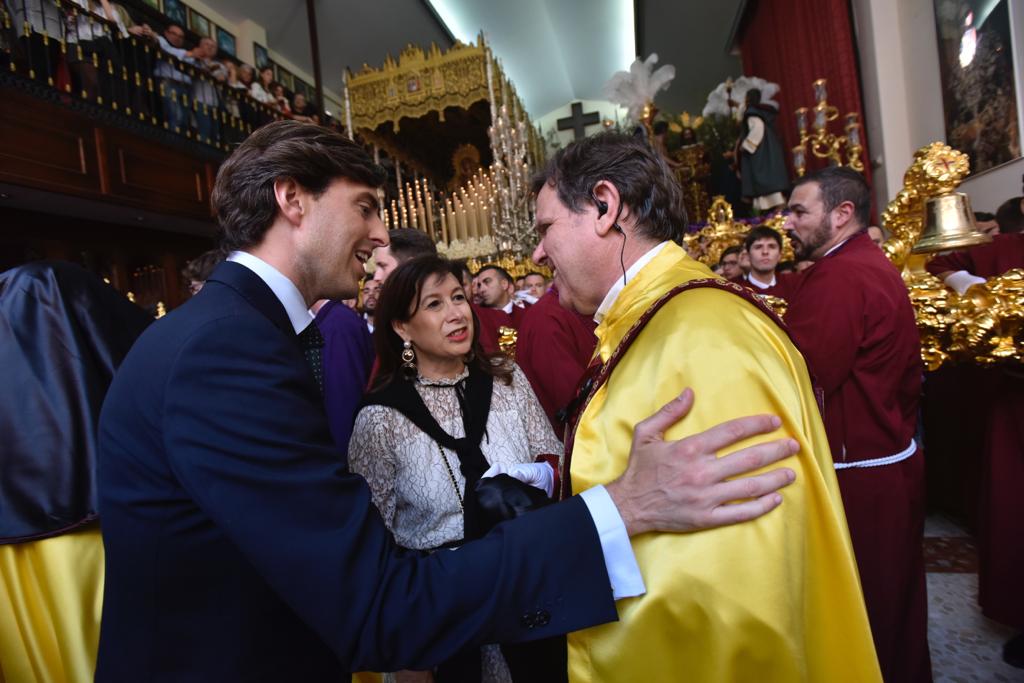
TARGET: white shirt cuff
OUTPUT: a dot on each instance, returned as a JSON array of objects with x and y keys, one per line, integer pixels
[
  {"x": 961, "y": 280},
  {"x": 619, "y": 559}
]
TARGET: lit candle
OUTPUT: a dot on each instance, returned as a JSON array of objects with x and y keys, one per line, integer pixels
[
  {"x": 853, "y": 134},
  {"x": 799, "y": 160},
  {"x": 820, "y": 117},
  {"x": 430, "y": 217},
  {"x": 473, "y": 218},
  {"x": 820, "y": 91},
  {"x": 460, "y": 217},
  {"x": 452, "y": 226},
  {"x": 444, "y": 228},
  {"x": 801, "y": 120}
]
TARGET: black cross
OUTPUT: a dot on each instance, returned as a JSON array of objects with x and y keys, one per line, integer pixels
[{"x": 579, "y": 121}]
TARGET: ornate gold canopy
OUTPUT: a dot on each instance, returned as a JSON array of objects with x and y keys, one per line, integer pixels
[{"x": 421, "y": 82}]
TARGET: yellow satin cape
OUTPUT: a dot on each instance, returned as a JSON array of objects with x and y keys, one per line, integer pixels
[
  {"x": 50, "y": 596},
  {"x": 777, "y": 599}
]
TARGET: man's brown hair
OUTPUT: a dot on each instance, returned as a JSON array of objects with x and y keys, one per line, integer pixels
[
  {"x": 839, "y": 184},
  {"x": 407, "y": 243},
  {"x": 644, "y": 181},
  {"x": 313, "y": 156}
]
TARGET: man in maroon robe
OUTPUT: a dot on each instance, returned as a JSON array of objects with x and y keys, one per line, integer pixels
[
  {"x": 763, "y": 247},
  {"x": 554, "y": 347},
  {"x": 1001, "y": 518},
  {"x": 495, "y": 289},
  {"x": 852, "y": 319}
]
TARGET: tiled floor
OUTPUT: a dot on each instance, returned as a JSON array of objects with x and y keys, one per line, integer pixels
[{"x": 966, "y": 647}]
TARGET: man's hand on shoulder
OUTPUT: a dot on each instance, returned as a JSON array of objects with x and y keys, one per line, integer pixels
[{"x": 683, "y": 485}]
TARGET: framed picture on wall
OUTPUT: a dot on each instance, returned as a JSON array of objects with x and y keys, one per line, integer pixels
[
  {"x": 225, "y": 41},
  {"x": 979, "y": 89},
  {"x": 285, "y": 78},
  {"x": 176, "y": 12},
  {"x": 155, "y": 4},
  {"x": 198, "y": 23},
  {"x": 260, "y": 55}
]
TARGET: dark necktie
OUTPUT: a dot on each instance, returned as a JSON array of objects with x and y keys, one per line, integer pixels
[{"x": 312, "y": 347}]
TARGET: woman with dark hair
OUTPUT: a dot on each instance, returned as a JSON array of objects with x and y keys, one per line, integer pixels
[
  {"x": 440, "y": 417},
  {"x": 262, "y": 90}
]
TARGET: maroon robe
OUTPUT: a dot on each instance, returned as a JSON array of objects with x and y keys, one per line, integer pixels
[
  {"x": 553, "y": 348},
  {"x": 852, "y": 319},
  {"x": 491, "y": 319},
  {"x": 1001, "y": 514},
  {"x": 784, "y": 285},
  {"x": 1003, "y": 253}
]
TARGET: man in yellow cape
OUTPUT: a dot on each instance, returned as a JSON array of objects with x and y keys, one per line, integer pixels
[{"x": 777, "y": 599}]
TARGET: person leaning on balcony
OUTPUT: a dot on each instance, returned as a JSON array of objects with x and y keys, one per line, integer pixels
[
  {"x": 260, "y": 90},
  {"x": 205, "y": 93},
  {"x": 174, "y": 83},
  {"x": 33, "y": 55},
  {"x": 303, "y": 109},
  {"x": 91, "y": 53}
]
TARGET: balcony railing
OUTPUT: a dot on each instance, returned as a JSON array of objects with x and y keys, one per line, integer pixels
[{"x": 63, "y": 48}]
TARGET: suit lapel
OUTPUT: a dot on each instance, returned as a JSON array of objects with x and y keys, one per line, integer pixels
[{"x": 255, "y": 291}]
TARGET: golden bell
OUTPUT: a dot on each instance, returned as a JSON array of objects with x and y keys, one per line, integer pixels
[{"x": 949, "y": 224}]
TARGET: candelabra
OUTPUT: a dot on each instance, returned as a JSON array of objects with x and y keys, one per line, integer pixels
[
  {"x": 823, "y": 144},
  {"x": 511, "y": 212}
]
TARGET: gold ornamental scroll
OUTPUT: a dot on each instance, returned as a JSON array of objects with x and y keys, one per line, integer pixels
[
  {"x": 723, "y": 231},
  {"x": 425, "y": 81},
  {"x": 985, "y": 325}
]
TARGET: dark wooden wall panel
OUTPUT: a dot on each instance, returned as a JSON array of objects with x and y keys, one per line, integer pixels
[
  {"x": 162, "y": 178},
  {"x": 47, "y": 146}
]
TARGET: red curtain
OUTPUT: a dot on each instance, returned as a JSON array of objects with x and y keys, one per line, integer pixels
[{"x": 795, "y": 42}]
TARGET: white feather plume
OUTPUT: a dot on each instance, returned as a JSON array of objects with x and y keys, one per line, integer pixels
[
  {"x": 638, "y": 86},
  {"x": 718, "y": 100}
]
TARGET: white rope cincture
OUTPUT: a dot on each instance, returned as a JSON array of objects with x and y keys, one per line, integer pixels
[{"x": 878, "y": 462}]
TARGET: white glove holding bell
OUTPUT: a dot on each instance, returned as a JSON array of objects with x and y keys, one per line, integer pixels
[{"x": 537, "y": 474}]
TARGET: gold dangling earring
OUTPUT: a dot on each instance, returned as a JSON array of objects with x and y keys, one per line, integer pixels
[{"x": 408, "y": 360}]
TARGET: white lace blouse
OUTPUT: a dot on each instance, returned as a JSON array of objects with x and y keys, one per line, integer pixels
[{"x": 410, "y": 484}]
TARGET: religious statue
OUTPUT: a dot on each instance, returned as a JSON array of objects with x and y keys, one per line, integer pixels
[
  {"x": 465, "y": 165},
  {"x": 759, "y": 152}
]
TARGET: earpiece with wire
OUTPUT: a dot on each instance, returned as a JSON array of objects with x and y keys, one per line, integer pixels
[{"x": 602, "y": 209}]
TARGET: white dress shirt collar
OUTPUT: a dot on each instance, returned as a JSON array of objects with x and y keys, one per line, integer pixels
[
  {"x": 839, "y": 245},
  {"x": 283, "y": 288},
  {"x": 613, "y": 293},
  {"x": 508, "y": 308},
  {"x": 757, "y": 283}
]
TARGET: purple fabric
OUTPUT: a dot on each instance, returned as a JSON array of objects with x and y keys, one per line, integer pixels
[{"x": 348, "y": 356}]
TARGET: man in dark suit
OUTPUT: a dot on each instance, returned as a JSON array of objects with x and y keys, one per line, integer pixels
[{"x": 239, "y": 548}]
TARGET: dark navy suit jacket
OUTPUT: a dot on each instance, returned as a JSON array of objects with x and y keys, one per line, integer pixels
[{"x": 239, "y": 549}]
